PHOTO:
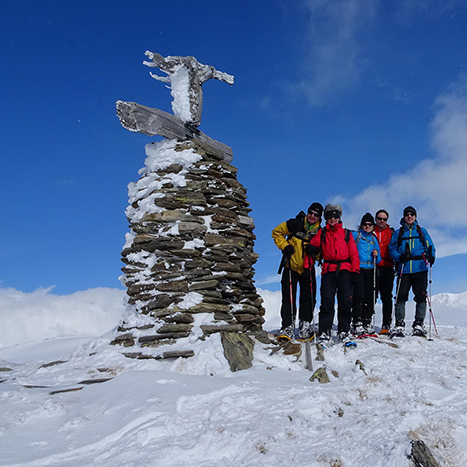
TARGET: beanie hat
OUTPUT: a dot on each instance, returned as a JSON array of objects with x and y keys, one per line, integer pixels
[
  {"x": 332, "y": 208},
  {"x": 316, "y": 207},
  {"x": 410, "y": 209},
  {"x": 367, "y": 218}
]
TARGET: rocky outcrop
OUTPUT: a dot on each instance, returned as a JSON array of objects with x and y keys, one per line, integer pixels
[{"x": 189, "y": 253}]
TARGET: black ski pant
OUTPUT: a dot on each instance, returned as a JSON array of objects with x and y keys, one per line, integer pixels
[
  {"x": 418, "y": 281},
  {"x": 332, "y": 283},
  {"x": 307, "y": 298},
  {"x": 362, "y": 305},
  {"x": 385, "y": 284}
]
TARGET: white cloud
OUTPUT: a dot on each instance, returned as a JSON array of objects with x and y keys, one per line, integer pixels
[
  {"x": 272, "y": 305},
  {"x": 436, "y": 187},
  {"x": 334, "y": 64},
  {"x": 272, "y": 279},
  {"x": 41, "y": 315}
]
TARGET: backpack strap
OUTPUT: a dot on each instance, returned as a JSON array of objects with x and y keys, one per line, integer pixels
[
  {"x": 420, "y": 236},
  {"x": 357, "y": 240}
]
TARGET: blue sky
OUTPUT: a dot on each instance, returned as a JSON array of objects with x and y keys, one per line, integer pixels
[{"x": 361, "y": 102}]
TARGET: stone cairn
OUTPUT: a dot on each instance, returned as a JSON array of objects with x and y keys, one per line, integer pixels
[{"x": 189, "y": 254}]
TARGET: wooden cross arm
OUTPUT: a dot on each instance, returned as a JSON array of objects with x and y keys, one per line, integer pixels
[{"x": 141, "y": 119}]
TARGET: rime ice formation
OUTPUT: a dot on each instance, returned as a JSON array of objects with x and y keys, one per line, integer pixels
[{"x": 185, "y": 76}]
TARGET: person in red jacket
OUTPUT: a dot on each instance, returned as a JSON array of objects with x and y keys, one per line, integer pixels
[
  {"x": 339, "y": 273},
  {"x": 385, "y": 268}
]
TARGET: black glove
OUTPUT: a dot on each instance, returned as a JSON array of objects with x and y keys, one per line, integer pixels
[
  {"x": 311, "y": 250},
  {"x": 354, "y": 278},
  {"x": 289, "y": 250},
  {"x": 430, "y": 258},
  {"x": 404, "y": 257}
]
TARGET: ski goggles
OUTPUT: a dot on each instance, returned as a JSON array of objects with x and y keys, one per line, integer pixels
[{"x": 333, "y": 215}]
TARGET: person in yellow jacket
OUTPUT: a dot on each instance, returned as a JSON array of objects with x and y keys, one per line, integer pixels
[{"x": 292, "y": 238}]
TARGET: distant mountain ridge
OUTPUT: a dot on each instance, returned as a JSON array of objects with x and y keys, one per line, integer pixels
[{"x": 451, "y": 299}]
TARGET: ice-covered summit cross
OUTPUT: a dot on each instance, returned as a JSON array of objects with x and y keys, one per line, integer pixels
[{"x": 185, "y": 76}]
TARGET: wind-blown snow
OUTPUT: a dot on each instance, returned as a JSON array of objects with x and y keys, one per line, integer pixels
[
  {"x": 158, "y": 157},
  {"x": 195, "y": 412}
]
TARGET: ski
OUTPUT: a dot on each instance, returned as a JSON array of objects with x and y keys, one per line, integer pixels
[
  {"x": 286, "y": 344},
  {"x": 382, "y": 341},
  {"x": 419, "y": 334},
  {"x": 282, "y": 338},
  {"x": 309, "y": 339},
  {"x": 363, "y": 336},
  {"x": 423, "y": 336}
]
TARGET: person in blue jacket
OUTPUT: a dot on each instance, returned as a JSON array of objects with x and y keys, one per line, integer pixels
[
  {"x": 363, "y": 306},
  {"x": 412, "y": 249}
]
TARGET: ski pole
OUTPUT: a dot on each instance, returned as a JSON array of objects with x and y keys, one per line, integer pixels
[
  {"x": 309, "y": 363},
  {"x": 313, "y": 304},
  {"x": 374, "y": 290},
  {"x": 292, "y": 311},
  {"x": 399, "y": 282},
  {"x": 431, "y": 310},
  {"x": 432, "y": 316}
]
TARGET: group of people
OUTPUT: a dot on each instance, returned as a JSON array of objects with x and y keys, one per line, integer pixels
[{"x": 357, "y": 266}]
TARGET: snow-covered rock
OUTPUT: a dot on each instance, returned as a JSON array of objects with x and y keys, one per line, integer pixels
[{"x": 191, "y": 236}]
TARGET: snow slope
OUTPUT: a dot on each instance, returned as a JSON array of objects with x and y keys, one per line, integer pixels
[{"x": 195, "y": 412}]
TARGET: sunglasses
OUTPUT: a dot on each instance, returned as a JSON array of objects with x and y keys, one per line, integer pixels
[
  {"x": 367, "y": 224},
  {"x": 311, "y": 213},
  {"x": 407, "y": 214},
  {"x": 332, "y": 216},
  {"x": 382, "y": 218}
]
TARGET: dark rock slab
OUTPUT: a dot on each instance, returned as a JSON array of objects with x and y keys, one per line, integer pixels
[
  {"x": 421, "y": 455},
  {"x": 238, "y": 350}
]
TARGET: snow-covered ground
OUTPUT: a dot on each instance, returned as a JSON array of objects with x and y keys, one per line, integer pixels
[{"x": 195, "y": 412}]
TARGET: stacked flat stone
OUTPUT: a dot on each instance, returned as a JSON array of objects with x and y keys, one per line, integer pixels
[{"x": 189, "y": 254}]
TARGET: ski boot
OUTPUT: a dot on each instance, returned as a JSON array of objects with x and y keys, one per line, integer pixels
[
  {"x": 324, "y": 338},
  {"x": 398, "y": 330},
  {"x": 286, "y": 334},
  {"x": 369, "y": 330},
  {"x": 385, "y": 329},
  {"x": 358, "y": 329},
  {"x": 418, "y": 329},
  {"x": 305, "y": 330},
  {"x": 345, "y": 338}
]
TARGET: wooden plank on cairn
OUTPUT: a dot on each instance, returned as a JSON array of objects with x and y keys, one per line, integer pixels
[{"x": 141, "y": 119}]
